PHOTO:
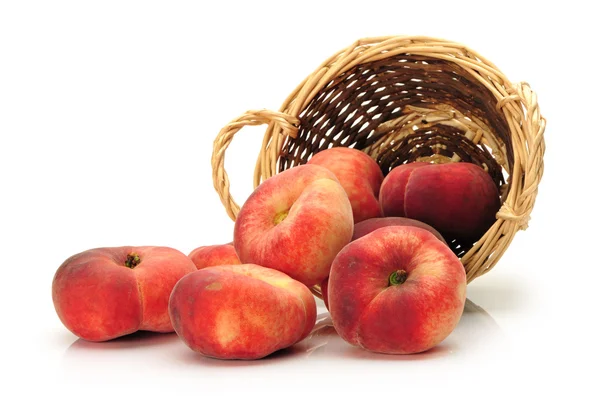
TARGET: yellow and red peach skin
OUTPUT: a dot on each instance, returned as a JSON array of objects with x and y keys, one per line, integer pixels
[
  {"x": 214, "y": 255},
  {"x": 295, "y": 222},
  {"x": 241, "y": 312},
  {"x": 410, "y": 317},
  {"x": 98, "y": 297},
  {"x": 359, "y": 175}
]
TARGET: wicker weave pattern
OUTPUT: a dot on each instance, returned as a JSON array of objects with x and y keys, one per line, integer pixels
[{"x": 403, "y": 99}]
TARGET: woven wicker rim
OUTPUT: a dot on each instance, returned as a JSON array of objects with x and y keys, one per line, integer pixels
[{"x": 517, "y": 102}]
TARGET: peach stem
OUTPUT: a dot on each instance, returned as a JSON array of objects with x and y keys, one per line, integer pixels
[
  {"x": 280, "y": 217},
  {"x": 398, "y": 277},
  {"x": 132, "y": 260}
]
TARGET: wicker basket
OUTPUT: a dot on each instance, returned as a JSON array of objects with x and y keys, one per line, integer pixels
[{"x": 405, "y": 99}]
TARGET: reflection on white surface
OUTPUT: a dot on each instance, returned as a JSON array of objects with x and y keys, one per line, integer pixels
[
  {"x": 475, "y": 327},
  {"x": 475, "y": 331},
  {"x": 323, "y": 362}
]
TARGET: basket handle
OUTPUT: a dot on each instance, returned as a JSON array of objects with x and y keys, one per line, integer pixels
[{"x": 287, "y": 124}]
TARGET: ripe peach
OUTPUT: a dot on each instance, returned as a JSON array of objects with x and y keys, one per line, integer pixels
[
  {"x": 360, "y": 176},
  {"x": 105, "y": 293},
  {"x": 397, "y": 290},
  {"x": 214, "y": 255},
  {"x": 460, "y": 200},
  {"x": 241, "y": 312},
  {"x": 295, "y": 222},
  {"x": 367, "y": 226}
]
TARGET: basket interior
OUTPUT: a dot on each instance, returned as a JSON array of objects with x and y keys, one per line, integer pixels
[{"x": 403, "y": 109}]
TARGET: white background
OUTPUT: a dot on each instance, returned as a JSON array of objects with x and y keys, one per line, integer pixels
[{"x": 108, "y": 111}]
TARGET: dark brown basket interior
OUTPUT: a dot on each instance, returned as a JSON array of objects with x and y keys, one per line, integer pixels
[{"x": 349, "y": 109}]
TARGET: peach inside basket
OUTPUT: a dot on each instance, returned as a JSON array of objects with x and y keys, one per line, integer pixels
[
  {"x": 404, "y": 109},
  {"x": 408, "y": 99}
]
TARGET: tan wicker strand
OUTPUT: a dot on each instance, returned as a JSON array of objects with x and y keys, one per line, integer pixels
[
  {"x": 285, "y": 123},
  {"x": 464, "y": 99}
]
